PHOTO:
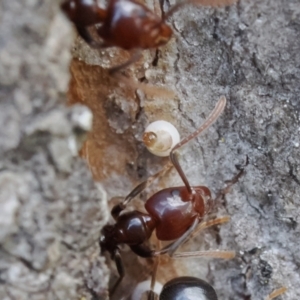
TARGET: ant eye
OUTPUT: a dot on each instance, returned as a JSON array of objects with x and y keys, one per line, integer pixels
[{"x": 160, "y": 137}]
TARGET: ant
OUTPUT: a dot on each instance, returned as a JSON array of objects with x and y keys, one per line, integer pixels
[
  {"x": 185, "y": 287},
  {"x": 188, "y": 288},
  {"x": 192, "y": 288},
  {"x": 127, "y": 24},
  {"x": 175, "y": 213}
]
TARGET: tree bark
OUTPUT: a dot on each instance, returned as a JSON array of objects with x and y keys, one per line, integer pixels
[{"x": 51, "y": 210}]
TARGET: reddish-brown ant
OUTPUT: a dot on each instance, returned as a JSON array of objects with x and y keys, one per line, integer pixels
[
  {"x": 174, "y": 213},
  {"x": 127, "y": 24}
]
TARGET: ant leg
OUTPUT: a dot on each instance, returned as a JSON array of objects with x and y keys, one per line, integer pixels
[
  {"x": 213, "y": 116},
  {"x": 161, "y": 4},
  {"x": 119, "y": 264},
  {"x": 137, "y": 54},
  {"x": 146, "y": 183},
  {"x": 151, "y": 295},
  {"x": 142, "y": 250},
  {"x": 216, "y": 254},
  {"x": 153, "y": 277},
  {"x": 86, "y": 36},
  {"x": 231, "y": 182},
  {"x": 210, "y": 223},
  {"x": 276, "y": 293},
  {"x": 213, "y": 254},
  {"x": 116, "y": 210},
  {"x": 171, "y": 248}
]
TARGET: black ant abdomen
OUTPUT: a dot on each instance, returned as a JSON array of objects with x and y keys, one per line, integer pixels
[{"x": 188, "y": 288}]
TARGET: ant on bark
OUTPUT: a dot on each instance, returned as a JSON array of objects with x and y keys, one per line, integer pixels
[
  {"x": 184, "y": 287},
  {"x": 192, "y": 288},
  {"x": 188, "y": 288},
  {"x": 175, "y": 213},
  {"x": 127, "y": 24}
]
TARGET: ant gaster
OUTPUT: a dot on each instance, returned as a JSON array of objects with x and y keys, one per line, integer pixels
[
  {"x": 185, "y": 287},
  {"x": 188, "y": 288},
  {"x": 174, "y": 213},
  {"x": 127, "y": 24},
  {"x": 192, "y": 288}
]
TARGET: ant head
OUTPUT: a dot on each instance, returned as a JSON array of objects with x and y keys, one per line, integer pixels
[
  {"x": 106, "y": 242},
  {"x": 81, "y": 12}
]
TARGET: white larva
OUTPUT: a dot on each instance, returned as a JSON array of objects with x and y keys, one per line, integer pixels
[
  {"x": 143, "y": 287},
  {"x": 160, "y": 137}
]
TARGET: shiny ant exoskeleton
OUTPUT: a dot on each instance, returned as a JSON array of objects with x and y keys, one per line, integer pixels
[
  {"x": 188, "y": 288},
  {"x": 174, "y": 213},
  {"x": 185, "y": 287},
  {"x": 127, "y": 24},
  {"x": 192, "y": 288}
]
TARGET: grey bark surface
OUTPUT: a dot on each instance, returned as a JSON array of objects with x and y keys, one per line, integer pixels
[
  {"x": 50, "y": 208},
  {"x": 49, "y": 204}
]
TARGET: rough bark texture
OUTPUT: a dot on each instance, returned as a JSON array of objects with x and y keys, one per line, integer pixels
[
  {"x": 49, "y": 205},
  {"x": 51, "y": 210}
]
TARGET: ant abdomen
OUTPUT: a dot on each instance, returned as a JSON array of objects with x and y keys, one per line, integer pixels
[
  {"x": 172, "y": 204},
  {"x": 83, "y": 13},
  {"x": 188, "y": 288}
]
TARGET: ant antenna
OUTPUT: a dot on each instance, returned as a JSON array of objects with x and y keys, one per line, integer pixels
[
  {"x": 212, "y": 3},
  {"x": 212, "y": 118}
]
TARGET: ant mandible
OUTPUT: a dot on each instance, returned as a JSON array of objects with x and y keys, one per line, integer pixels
[
  {"x": 174, "y": 213},
  {"x": 127, "y": 24}
]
